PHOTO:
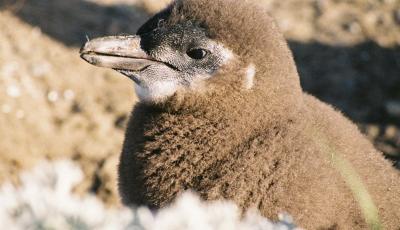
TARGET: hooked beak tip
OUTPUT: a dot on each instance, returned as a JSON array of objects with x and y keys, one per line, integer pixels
[
  {"x": 82, "y": 49},
  {"x": 84, "y": 57}
]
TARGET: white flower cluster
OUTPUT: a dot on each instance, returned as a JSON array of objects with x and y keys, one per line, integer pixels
[{"x": 44, "y": 200}]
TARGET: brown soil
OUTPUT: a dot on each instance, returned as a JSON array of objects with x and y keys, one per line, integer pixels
[{"x": 53, "y": 105}]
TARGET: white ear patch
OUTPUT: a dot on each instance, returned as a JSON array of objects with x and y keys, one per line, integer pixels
[
  {"x": 156, "y": 91},
  {"x": 226, "y": 54},
  {"x": 249, "y": 78}
]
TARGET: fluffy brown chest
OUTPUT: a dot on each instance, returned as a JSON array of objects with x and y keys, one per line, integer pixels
[{"x": 166, "y": 154}]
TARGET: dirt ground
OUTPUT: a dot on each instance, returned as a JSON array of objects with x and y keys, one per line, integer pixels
[{"x": 53, "y": 105}]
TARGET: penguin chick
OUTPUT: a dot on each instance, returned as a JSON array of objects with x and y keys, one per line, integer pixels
[{"x": 222, "y": 113}]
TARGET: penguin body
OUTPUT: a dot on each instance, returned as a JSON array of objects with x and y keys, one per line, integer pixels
[{"x": 222, "y": 113}]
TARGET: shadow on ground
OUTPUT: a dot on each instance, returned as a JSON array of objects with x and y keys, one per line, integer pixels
[
  {"x": 72, "y": 21},
  {"x": 360, "y": 80}
]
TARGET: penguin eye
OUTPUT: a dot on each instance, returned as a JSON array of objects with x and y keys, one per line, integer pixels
[{"x": 197, "y": 53}]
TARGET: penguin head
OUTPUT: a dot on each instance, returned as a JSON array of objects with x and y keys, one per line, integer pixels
[{"x": 210, "y": 50}]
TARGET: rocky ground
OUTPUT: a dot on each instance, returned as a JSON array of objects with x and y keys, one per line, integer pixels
[{"x": 53, "y": 105}]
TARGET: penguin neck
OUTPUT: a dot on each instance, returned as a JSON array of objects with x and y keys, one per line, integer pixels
[{"x": 153, "y": 130}]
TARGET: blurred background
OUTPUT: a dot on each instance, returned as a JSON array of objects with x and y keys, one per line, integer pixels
[{"x": 53, "y": 105}]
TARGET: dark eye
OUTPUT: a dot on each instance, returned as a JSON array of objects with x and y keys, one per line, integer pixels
[{"x": 197, "y": 53}]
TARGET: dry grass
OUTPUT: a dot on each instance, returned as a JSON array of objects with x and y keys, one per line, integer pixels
[{"x": 353, "y": 180}]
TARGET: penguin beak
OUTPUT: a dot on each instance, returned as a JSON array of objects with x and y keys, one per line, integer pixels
[{"x": 116, "y": 52}]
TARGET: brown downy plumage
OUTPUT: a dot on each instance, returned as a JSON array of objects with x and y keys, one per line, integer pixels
[{"x": 232, "y": 122}]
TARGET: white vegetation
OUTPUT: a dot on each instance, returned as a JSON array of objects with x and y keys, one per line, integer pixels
[{"x": 44, "y": 200}]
